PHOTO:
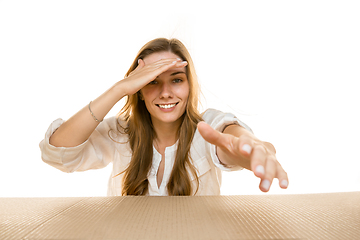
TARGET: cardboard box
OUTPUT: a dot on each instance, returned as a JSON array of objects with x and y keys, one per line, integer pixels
[{"x": 298, "y": 216}]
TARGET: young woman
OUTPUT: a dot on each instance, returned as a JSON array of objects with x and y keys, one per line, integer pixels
[{"x": 159, "y": 143}]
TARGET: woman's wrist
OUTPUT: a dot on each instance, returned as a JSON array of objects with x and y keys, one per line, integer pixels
[{"x": 118, "y": 90}]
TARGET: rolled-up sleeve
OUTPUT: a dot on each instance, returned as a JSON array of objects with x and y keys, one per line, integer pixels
[
  {"x": 219, "y": 120},
  {"x": 96, "y": 152}
]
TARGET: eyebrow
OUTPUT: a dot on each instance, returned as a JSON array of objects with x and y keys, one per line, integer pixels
[{"x": 175, "y": 73}]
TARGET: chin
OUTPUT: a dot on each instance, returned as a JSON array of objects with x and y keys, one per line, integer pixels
[{"x": 169, "y": 118}]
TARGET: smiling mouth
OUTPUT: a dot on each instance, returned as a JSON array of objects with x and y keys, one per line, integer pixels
[{"x": 166, "y": 106}]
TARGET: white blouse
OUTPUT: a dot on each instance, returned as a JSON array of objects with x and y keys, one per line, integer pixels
[{"x": 101, "y": 149}]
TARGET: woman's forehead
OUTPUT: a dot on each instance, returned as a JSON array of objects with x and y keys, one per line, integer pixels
[{"x": 154, "y": 57}]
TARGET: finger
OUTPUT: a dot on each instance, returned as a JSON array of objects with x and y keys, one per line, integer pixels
[
  {"x": 181, "y": 64},
  {"x": 163, "y": 65},
  {"x": 166, "y": 66},
  {"x": 212, "y": 136},
  {"x": 270, "y": 172},
  {"x": 270, "y": 147},
  {"x": 177, "y": 63},
  {"x": 151, "y": 71},
  {"x": 164, "y": 62},
  {"x": 258, "y": 159},
  {"x": 245, "y": 145},
  {"x": 282, "y": 176}
]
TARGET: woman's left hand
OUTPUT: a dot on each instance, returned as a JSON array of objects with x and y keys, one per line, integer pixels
[{"x": 237, "y": 146}]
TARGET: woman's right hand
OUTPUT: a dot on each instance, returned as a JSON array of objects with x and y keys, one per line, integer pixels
[{"x": 144, "y": 74}]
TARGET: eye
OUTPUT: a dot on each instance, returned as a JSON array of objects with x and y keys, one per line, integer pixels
[
  {"x": 153, "y": 82},
  {"x": 177, "y": 80}
]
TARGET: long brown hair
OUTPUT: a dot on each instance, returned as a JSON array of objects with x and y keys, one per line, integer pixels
[{"x": 141, "y": 132}]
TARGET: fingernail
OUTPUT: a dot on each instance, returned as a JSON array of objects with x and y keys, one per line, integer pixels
[
  {"x": 183, "y": 62},
  {"x": 260, "y": 170},
  {"x": 284, "y": 183},
  {"x": 265, "y": 185},
  {"x": 174, "y": 62},
  {"x": 247, "y": 148}
]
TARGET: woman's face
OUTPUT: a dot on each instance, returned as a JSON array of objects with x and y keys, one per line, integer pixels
[{"x": 166, "y": 97}]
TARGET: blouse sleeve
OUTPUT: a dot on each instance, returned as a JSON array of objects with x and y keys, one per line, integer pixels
[
  {"x": 96, "y": 152},
  {"x": 218, "y": 121}
]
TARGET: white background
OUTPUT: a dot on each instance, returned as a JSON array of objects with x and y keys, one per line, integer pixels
[{"x": 289, "y": 69}]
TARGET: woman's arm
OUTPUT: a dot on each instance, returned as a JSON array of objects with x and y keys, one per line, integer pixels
[
  {"x": 237, "y": 146},
  {"x": 80, "y": 126}
]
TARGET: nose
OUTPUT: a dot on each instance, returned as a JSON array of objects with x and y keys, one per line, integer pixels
[{"x": 166, "y": 91}]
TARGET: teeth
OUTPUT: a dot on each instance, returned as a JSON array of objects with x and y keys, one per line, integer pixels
[{"x": 167, "y": 106}]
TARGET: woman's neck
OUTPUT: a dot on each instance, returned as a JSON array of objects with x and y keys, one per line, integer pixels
[{"x": 166, "y": 134}]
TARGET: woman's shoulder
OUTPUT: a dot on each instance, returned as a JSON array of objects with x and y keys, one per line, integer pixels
[
  {"x": 210, "y": 113},
  {"x": 218, "y": 119}
]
